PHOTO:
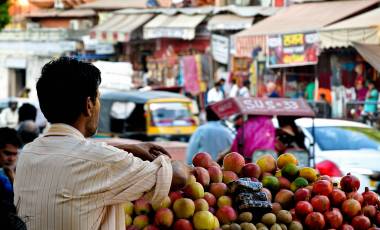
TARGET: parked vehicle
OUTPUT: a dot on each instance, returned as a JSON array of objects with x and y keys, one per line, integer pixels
[
  {"x": 148, "y": 115},
  {"x": 344, "y": 146}
]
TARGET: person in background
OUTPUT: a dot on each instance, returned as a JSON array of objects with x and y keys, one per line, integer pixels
[
  {"x": 222, "y": 83},
  {"x": 66, "y": 181},
  {"x": 271, "y": 90},
  {"x": 212, "y": 137},
  {"x": 27, "y": 112},
  {"x": 234, "y": 91},
  {"x": 370, "y": 106},
  {"x": 244, "y": 90},
  {"x": 215, "y": 94},
  {"x": 9, "y": 116},
  {"x": 9, "y": 144},
  {"x": 28, "y": 131},
  {"x": 326, "y": 109},
  {"x": 309, "y": 91},
  {"x": 247, "y": 142}
]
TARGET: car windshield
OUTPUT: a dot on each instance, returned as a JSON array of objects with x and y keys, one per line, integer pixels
[
  {"x": 171, "y": 114},
  {"x": 346, "y": 138}
]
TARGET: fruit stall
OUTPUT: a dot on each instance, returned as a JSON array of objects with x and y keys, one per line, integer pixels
[{"x": 275, "y": 194}]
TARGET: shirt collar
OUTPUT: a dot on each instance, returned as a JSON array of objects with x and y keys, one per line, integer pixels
[{"x": 60, "y": 129}]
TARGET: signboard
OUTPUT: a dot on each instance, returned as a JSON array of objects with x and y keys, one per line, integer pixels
[
  {"x": 292, "y": 49},
  {"x": 220, "y": 48},
  {"x": 263, "y": 106}
]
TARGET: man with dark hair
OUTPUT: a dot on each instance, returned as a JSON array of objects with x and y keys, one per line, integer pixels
[
  {"x": 212, "y": 137},
  {"x": 65, "y": 181},
  {"x": 27, "y": 112},
  {"x": 9, "y": 116},
  {"x": 9, "y": 145}
]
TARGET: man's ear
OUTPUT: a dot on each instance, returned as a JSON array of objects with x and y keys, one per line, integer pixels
[{"x": 89, "y": 107}]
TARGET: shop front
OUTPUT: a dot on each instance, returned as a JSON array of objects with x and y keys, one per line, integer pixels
[{"x": 290, "y": 47}]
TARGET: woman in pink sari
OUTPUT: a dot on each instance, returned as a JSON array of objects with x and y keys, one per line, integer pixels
[{"x": 259, "y": 134}]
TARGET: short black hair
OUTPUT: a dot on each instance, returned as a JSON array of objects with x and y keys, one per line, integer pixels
[
  {"x": 211, "y": 115},
  {"x": 27, "y": 112},
  {"x": 9, "y": 136},
  {"x": 63, "y": 88}
]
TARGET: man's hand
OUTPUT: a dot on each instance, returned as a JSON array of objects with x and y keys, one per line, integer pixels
[
  {"x": 181, "y": 173},
  {"x": 146, "y": 151}
]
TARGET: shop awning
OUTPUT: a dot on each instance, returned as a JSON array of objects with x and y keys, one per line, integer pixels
[
  {"x": 118, "y": 28},
  {"x": 362, "y": 28},
  {"x": 177, "y": 26},
  {"x": 370, "y": 52},
  {"x": 229, "y": 22},
  {"x": 113, "y": 4},
  {"x": 298, "y": 18}
]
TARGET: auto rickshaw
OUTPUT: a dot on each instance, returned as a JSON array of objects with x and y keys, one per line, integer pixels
[
  {"x": 146, "y": 116},
  {"x": 269, "y": 107}
]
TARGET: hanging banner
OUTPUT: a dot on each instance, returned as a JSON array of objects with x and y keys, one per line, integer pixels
[
  {"x": 220, "y": 48},
  {"x": 296, "y": 49}
]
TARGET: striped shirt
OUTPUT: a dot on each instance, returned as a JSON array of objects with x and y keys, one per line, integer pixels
[{"x": 64, "y": 181}]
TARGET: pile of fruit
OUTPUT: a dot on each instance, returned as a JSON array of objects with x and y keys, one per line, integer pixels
[
  {"x": 238, "y": 195},
  {"x": 313, "y": 201}
]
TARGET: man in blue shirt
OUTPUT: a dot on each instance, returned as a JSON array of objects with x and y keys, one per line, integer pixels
[{"x": 212, "y": 137}]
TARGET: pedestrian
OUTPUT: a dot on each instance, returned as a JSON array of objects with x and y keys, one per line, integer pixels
[
  {"x": 28, "y": 131},
  {"x": 234, "y": 89},
  {"x": 271, "y": 90},
  {"x": 309, "y": 91},
  {"x": 27, "y": 112},
  {"x": 370, "y": 105},
  {"x": 257, "y": 133},
  {"x": 215, "y": 94},
  {"x": 9, "y": 116},
  {"x": 212, "y": 137},
  {"x": 65, "y": 181},
  {"x": 9, "y": 145},
  {"x": 244, "y": 90}
]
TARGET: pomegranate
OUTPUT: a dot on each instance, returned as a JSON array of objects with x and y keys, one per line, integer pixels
[
  {"x": 347, "y": 227},
  {"x": 320, "y": 203},
  {"x": 322, "y": 187},
  {"x": 337, "y": 197},
  {"x": 369, "y": 197},
  {"x": 315, "y": 221},
  {"x": 334, "y": 218},
  {"x": 303, "y": 208},
  {"x": 369, "y": 211},
  {"x": 361, "y": 223},
  {"x": 349, "y": 183},
  {"x": 302, "y": 194},
  {"x": 351, "y": 207},
  {"x": 355, "y": 195}
]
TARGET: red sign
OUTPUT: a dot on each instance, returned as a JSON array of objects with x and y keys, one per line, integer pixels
[
  {"x": 263, "y": 106},
  {"x": 293, "y": 49}
]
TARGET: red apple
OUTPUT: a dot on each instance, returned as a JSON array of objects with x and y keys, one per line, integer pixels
[
  {"x": 251, "y": 170},
  {"x": 233, "y": 162},
  {"x": 202, "y": 159},
  {"x": 182, "y": 224},
  {"x": 218, "y": 189},
  {"x": 216, "y": 174}
]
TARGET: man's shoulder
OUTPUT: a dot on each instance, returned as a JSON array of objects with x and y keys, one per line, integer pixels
[{"x": 85, "y": 149}]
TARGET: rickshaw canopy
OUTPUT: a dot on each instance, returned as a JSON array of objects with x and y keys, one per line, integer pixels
[{"x": 262, "y": 106}]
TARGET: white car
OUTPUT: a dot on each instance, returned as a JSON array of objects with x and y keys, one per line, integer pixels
[{"x": 342, "y": 147}]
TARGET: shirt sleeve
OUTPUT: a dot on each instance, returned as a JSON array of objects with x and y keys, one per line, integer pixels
[
  {"x": 129, "y": 178},
  {"x": 194, "y": 146}
]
